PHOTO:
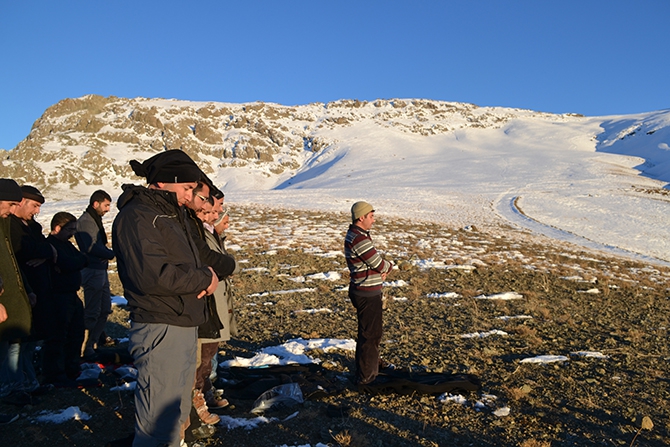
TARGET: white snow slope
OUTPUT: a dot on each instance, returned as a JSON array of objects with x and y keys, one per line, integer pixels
[{"x": 596, "y": 181}]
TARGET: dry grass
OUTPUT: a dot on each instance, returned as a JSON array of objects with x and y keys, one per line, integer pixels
[
  {"x": 535, "y": 443},
  {"x": 518, "y": 393},
  {"x": 343, "y": 439}
]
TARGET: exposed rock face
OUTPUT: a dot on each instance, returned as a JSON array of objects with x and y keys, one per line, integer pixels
[{"x": 82, "y": 142}]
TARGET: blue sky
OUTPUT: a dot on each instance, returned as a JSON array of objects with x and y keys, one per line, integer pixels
[{"x": 594, "y": 57}]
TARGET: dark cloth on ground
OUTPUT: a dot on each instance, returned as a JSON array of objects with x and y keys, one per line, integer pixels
[
  {"x": 406, "y": 383},
  {"x": 315, "y": 381}
]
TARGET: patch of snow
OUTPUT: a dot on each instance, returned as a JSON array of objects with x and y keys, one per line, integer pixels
[
  {"x": 545, "y": 359},
  {"x": 500, "y": 296},
  {"x": 58, "y": 417}
]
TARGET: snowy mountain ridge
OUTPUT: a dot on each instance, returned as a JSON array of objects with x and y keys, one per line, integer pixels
[
  {"x": 592, "y": 180},
  {"x": 83, "y": 143}
]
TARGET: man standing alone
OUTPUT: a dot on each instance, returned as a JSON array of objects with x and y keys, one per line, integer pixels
[
  {"x": 367, "y": 272},
  {"x": 92, "y": 240},
  {"x": 164, "y": 283}
]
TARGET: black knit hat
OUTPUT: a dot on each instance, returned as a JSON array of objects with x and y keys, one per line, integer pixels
[
  {"x": 32, "y": 193},
  {"x": 173, "y": 166},
  {"x": 10, "y": 190},
  {"x": 213, "y": 190}
]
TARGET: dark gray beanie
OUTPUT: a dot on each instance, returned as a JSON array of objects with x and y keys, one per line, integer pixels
[{"x": 10, "y": 190}]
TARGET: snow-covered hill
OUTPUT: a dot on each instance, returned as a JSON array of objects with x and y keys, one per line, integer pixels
[{"x": 601, "y": 178}]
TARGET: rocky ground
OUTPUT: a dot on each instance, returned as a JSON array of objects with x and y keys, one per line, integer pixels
[{"x": 446, "y": 313}]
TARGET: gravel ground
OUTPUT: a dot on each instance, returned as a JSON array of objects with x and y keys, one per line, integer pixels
[{"x": 461, "y": 301}]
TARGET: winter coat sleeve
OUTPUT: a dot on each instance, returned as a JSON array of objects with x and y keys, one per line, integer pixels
[
  {"x": 223, "y": 264},
  {"x": 26, "y": 247},
  {"x": 69, "y": 258}
]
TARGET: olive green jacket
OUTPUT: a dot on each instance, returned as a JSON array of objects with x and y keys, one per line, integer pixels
[{"x": 14, "y": 298}]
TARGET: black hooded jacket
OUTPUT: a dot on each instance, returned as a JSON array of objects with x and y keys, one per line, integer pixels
[{"x": 158, "y": 263}]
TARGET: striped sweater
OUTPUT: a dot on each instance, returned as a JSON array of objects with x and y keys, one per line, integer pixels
[{"x": 365, "y": 264}]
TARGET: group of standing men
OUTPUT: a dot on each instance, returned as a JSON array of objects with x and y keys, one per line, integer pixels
[
  {"x": 167, "y": 238},
  {"x": 170, "y": 276},
  {"x": 172, "y": 263},
  {"x": 40, "y": 279}
]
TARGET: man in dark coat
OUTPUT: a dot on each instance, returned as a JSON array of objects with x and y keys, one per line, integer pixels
[
  {"x": 164, "y": 283},
  {"x": 15, "y": 309},
  {"x": 35, "y": 256},
  {"x": 66, "y": 281},
  {"x": 223, "y": 265},
  {"x": 92, "y": 240}
]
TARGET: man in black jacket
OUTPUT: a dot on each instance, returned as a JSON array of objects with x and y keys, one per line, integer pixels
[
  {"x": 68, "y": 310},
  {"x": 164, "y": 282},
  {"x": 223, "y": 265},
  {"x": 92, "y": 241},
  {"x": 35, "y": 256}
]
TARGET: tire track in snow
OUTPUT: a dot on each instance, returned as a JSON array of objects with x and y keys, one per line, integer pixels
[{"x": 507, "y": 207}]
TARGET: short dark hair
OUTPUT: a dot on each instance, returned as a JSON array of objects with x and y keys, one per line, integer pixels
[
  {"x": 201, "y": 185},
  {"x": 61, "y": 219},
  {"x": 99, "y": 196}
]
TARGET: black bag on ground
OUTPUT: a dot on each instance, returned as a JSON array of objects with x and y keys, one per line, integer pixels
[{"x": 405, "y": 383}]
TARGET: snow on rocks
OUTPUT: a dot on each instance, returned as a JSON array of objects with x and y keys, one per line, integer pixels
[
  {"x": 545, "y": 359},
  {"x": 443, "y": 295},
  {"x": 58, "y": 417},
  {"x": 590, "y": 354},
  {"x": 487, "y": 401},
  {"x": 484, "y": 334},
  {"x": 293, "y": 351},
  {"x": 500, "y": 296}
]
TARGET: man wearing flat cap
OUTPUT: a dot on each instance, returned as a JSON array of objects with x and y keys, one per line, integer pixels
[
  {"x": 15, "y": 309},
  {"x": 35, "y": 258},
  {"x": 367, "y": 272},
  {"x": 164, "y": 283}
]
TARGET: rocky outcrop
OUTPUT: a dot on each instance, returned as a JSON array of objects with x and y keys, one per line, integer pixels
[{"x": 83, "y": 142}]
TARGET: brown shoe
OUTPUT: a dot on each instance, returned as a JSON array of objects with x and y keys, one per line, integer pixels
[
  {"x": 201, "y": 408},
  {"x": 215, "y": 400}
]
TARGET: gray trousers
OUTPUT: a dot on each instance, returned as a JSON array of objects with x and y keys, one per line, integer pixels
[
  {"x": 97, "y": 305},
  {"x": 165, "y": 357}
]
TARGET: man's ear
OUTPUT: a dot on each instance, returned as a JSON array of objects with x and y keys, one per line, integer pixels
[{"x": 56, "y": 229}]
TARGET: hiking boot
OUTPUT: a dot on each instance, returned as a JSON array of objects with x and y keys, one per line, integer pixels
[
  {"x": 203, "y": 432},
  {"x": 215, "y": 400},
  {"x": 201, "y": 408}
]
